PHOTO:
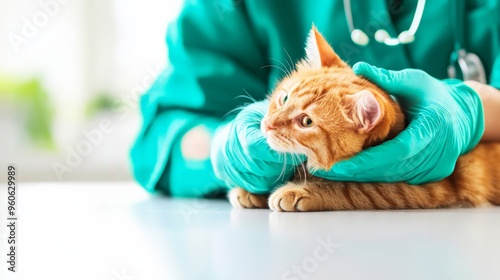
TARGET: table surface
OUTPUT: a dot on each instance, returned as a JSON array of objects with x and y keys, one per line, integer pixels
[{"x": 116, "y": 231}]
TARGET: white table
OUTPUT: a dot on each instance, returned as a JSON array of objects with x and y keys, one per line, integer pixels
[{"x": 119, "y": 232}]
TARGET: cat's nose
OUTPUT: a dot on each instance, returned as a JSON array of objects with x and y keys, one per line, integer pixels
[{"x": 270, "y": 127}]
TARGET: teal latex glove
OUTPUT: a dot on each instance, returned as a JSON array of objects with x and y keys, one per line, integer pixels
[
  {"x": 241, "y": 157},
  {"x": 445, "y": 121}
]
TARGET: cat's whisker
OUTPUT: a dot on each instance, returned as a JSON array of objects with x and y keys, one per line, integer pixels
[
  {"x": 261, "y": 112},
  {"x": 283, "y": 169},
  {"x": 301, "y": 165},
  {"x": 270, "y": 66},
  {"x": 282, "y": 141},
  {"x": 282, "y": 64},
  {"x": 290, "y": 58},
  {"x": 246, "y": 97},
  {"x": 296, "y": 161},
  {"x": 287, "y": 68},
  {"x": 300, "y": 149},
  {"x": 239, "y": 108},
  {"x": 305, "y": 172}
]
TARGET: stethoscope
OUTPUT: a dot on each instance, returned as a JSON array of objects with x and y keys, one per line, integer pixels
[{"x": 470, "y": 65}]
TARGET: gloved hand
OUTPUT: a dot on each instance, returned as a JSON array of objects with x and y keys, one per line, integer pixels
[
  {"x": 241, "y": 157},
  {"x": 445, "y": 121}
]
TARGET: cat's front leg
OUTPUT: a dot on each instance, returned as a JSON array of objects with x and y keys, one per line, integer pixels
[
  {"x": 297, "y": 197},
  {"x": 317, "y": 194},
  {"x": 240, "y": 198}
]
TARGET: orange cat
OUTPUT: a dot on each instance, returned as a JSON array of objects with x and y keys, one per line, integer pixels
[{"x": 330, "y": 115}]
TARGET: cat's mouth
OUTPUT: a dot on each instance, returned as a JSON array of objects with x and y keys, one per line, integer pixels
[
  {"x": 280, "y": 143},
  {"x": 275, "y": 140},
  {"x": 276, "y": 144}
]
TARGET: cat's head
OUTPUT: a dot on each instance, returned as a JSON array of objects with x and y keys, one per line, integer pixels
[{"x": 323, "y": 110}]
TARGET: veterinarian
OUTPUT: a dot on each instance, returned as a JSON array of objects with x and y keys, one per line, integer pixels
[{"x": 194, "y": 142}]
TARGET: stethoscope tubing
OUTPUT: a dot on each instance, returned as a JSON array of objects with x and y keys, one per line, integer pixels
[{"x": 470, "y": 64}]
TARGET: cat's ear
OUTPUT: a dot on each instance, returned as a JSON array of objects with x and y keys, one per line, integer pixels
[
  {"x": 366, "y": 110},
  {"x": 320, "y": 53}
]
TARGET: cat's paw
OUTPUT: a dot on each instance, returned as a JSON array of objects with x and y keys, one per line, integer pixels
[
  {"x": 240, "y": 198},
  {"x": 293, "y": 198}
]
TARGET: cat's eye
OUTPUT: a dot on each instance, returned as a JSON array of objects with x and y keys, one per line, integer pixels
[
  {"x": 305, "y": 121},
  {"x": 283, "y": 98}
]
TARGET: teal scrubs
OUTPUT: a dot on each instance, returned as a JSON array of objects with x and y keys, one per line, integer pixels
[{"x": 221, "y": 49}]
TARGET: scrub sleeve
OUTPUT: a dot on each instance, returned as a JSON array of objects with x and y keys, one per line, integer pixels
[
  {"x": 495, "y": 74},
  {"x": 213, "y": 56}
]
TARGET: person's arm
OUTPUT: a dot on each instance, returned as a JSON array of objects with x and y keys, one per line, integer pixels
[
  {"x": 490, "y": 98},
  {"x": 213, "y": 57}
]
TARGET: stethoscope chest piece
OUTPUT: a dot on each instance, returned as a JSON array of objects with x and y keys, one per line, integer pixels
[{"x": 470, "y": 65}]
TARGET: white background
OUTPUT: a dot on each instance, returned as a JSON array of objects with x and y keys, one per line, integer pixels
[{"x": 78, "y": 49}]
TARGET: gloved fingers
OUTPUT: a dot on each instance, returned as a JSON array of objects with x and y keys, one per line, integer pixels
[
  {"x": 253, "y": 113},
  {"x": 392, "y": 81},
  {"x": 251, "y": 139},
  {"x": 247, "y": 123},
  {"x": 262, "y": 151},
  {"x": 254, "y": 145},
  {"x": 402, "y": 84},
  {"x": 260, "y": 184},
  {"x": 263, "y": 168},
  {"x": 239, "y": 159},
  {"x": 434, "y": 173},
  {"x": 387, "y": 162},
  {"x": 262, "y": 161}
]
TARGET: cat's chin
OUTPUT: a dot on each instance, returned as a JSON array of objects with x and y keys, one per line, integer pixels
[{"x": 275, "y": 146}]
